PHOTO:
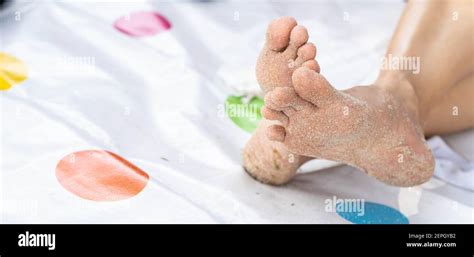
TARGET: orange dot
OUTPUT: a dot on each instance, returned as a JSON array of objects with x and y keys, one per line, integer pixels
[{"x": 100, "y": 176}]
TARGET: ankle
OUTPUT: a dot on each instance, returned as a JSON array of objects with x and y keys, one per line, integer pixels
[{"x": 399, "y": 86}]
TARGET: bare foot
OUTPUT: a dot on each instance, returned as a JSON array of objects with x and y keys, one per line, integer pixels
[
  {"x": 366, "y": 127},
  {"x": 286, "y": 49}
]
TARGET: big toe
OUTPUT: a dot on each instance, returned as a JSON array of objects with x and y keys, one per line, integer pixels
[
  {"x": 312, "y": 86},
  {"x": 278, "y": 33}
]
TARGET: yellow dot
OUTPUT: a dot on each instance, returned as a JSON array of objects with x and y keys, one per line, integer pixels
[{"x": 12, "y": 71}]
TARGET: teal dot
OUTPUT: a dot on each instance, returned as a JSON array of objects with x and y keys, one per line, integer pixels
[{"x": 372, "y": 213}]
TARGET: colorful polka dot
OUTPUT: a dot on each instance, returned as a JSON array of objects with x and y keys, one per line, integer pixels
[
  {"x": 12, "y": 71},
  {"x": 373, "y": 213},
  {"x": 245, "y": 115},
  {"x": 100, "y": 176},
  {"x": 140, "y": 24}
]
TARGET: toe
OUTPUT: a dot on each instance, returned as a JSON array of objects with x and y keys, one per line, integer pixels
[
  {"x": 268, "y": 100},
  {"x": 270, "y": 114},
  {"x": 307, "y": 52},
  {"x": 313, "y": 65},
  {"x": 298, "y": 37},
  {"x": 312, "y": 86},
  {"x": 278, "y": 33},
  {"x": 282, "y": 98},
  {"x": 276, "y": 133}
]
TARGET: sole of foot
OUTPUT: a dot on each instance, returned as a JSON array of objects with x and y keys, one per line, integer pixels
[{"x": 365, "y": 126}]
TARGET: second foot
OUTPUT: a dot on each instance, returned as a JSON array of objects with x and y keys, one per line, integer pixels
[
  {"x": 268, "y": 161},
  {"x": 286, "y": 48}
]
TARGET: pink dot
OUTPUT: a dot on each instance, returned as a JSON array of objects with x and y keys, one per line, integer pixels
[{"x": 142, "y": 23}]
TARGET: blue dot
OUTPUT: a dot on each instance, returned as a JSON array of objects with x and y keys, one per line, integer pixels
[{"x": 372, "y": 213}]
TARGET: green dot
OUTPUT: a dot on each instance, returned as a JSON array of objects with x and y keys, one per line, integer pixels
[{"x": 245, "y": 115}]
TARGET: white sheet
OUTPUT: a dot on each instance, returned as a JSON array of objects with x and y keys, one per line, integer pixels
[{"x": 157, "y": 97}]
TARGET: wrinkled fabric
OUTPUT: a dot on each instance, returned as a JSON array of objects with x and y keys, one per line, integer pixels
[{"x": 155, "y": 102}]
